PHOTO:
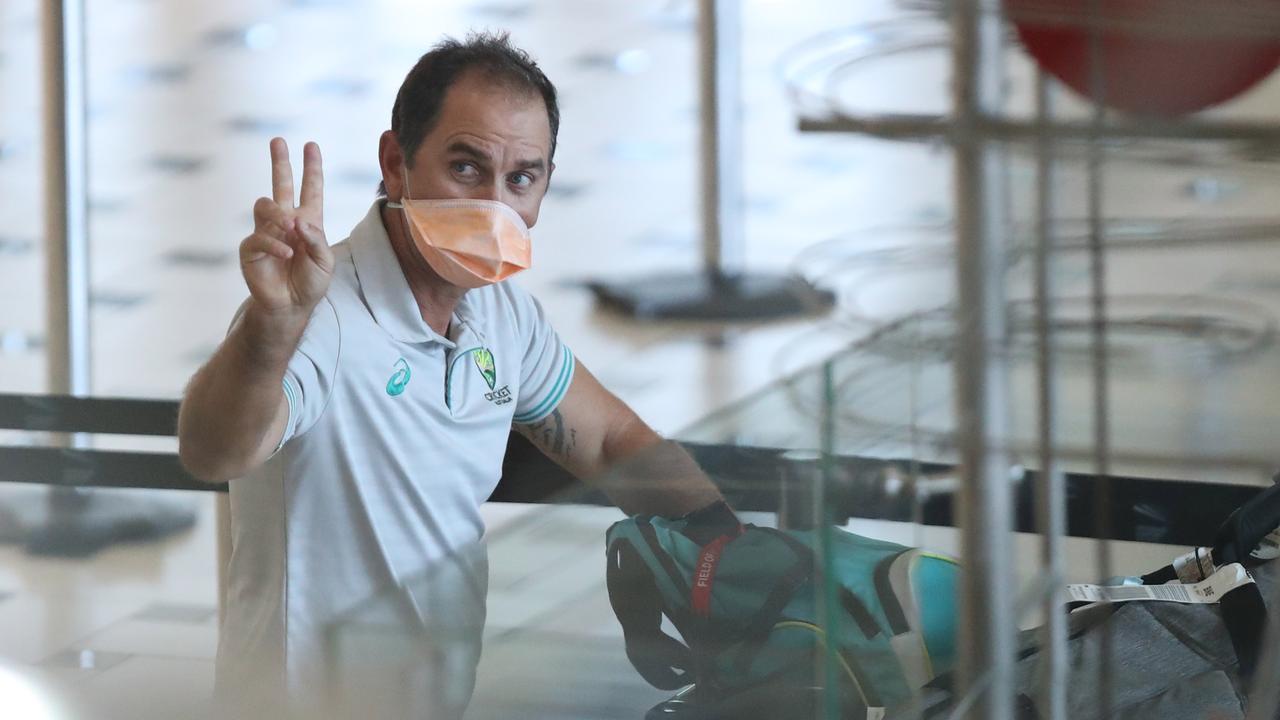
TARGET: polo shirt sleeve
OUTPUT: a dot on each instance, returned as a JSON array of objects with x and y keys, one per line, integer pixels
[
  {"x": 546, "y": 370},
  {"x": 309, "y": 378}
]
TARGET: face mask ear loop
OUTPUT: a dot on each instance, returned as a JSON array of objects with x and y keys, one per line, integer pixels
[
  {"x": 404, "y": 214},
  {"x": 404, "y": 174}
]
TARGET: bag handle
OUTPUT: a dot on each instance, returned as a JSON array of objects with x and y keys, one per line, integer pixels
[{"x": 661, "y": 660}]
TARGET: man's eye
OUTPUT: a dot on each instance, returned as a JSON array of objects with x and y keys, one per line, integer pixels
[
  {"x": 521, "y": 179},
  {"x": 463, "y": 168}
]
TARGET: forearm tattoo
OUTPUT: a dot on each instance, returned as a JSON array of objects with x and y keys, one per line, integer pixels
[{"x": 553, "y": 437}]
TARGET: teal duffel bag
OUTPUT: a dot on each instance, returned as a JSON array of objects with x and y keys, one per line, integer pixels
[{"x": 747, "y": 605}]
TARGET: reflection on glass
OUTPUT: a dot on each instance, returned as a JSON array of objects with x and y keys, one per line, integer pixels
[{"x": 22, "y": 697}]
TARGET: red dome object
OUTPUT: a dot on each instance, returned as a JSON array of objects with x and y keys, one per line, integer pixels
[{"x": 1159, "y": 57}]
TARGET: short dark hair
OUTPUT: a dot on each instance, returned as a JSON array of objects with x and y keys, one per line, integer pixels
[{"x": 421, "y": 95}]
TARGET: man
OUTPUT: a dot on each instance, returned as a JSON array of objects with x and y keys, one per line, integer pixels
[{"x": 361, "y": 401}]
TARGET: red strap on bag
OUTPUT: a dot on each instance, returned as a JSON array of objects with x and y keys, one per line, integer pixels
[{"x": 704, "y": 575}]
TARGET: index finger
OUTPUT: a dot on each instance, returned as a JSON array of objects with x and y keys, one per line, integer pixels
[
  {"x": 312, "y": 179},
  {"x": 281, "y": 174}
]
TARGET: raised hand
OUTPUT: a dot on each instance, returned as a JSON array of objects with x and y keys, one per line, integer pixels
[{"x": 286, "y": 262}]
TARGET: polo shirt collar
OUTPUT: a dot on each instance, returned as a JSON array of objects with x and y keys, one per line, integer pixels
[{"x": 386, "y": 290}]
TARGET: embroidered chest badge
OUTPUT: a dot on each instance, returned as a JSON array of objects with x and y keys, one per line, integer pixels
[
  {"x": 486, "y": 366},
  {"x": 399, "y": 379}
]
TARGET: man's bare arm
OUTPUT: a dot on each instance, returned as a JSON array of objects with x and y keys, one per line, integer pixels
[
  {"x": 601, "y": 440},
  {"x": 234, "y": 411}
]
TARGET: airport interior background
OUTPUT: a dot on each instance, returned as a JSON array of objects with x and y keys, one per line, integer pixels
[{"x": 1167, "y": 233}]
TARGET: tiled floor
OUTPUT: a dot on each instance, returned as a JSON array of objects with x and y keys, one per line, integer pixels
[{"x": 183, "y": 98}]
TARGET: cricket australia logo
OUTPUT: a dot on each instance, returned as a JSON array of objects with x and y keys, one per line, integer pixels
[
  {"x": 489, "y": 371},
  {"x": 484, "y": 363}
]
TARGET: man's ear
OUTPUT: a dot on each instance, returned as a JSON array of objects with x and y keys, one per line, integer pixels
[{"x": 391, "y": 160}]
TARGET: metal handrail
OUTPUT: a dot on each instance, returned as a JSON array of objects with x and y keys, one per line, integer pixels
[{"x": 110, "y": 416}]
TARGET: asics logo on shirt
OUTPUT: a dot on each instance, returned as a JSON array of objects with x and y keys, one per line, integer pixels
[{"x": 399, "y": 379}]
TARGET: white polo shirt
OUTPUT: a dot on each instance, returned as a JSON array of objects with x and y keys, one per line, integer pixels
[{"x": 396, "y": 435}]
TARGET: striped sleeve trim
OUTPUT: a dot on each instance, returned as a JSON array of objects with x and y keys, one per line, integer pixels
[
  {"x": 554, "y": 397},
  {"x": 293, "y": 415}
]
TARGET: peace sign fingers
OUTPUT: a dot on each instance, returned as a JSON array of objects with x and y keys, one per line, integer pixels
[
  {"x": 281, "y": 174},
  {"x": 311, "y": 206},
  {"x": 287, "y": 262}
]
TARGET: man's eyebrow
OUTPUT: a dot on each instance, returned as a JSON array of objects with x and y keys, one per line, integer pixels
[
  {"x": 461, "y": 147},
  {"x": 538, "y": 164},
  {"x": 465, "y": 148}
]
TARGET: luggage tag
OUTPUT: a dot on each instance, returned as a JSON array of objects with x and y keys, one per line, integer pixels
[
  {"x": 1195, "y": 566},
  {"x": 1206, "y": 592}
]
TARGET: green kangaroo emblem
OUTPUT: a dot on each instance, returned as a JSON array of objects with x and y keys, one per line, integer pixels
[
  {"x": 486, "y": 366},
  {"x": 399, "y": 379}
]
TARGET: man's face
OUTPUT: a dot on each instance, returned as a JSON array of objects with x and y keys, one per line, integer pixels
[{"x": 489, "y": 143}]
